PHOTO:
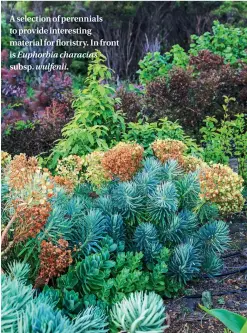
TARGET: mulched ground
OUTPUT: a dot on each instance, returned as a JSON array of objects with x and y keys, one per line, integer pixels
[{"x": 228, "y": 292}]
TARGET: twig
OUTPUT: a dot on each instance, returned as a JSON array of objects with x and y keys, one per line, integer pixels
[
  {"x": 11, "y": 244},
  {"x": 4, "y": 234}
]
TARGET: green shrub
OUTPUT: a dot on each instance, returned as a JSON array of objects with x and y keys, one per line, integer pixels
[
  {"x": 226, "y": 139},
  {"x": 95, "y": 124},
  {"x": 145, "y": 133},
  {"x": 154, "y": 64},
  {"x": 238, "y": 12},
  {"x": 226, "y": 41},
  {"x": 110, "y": 280}
]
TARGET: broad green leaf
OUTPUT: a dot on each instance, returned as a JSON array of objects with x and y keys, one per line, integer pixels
[
  {"x": 90, "y": 138},
  {"x": 231, "y": 320},
  {"x": 244, "y": 328}
]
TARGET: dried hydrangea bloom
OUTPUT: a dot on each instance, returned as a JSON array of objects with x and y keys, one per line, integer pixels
[
  {"x": 168, "y": 149},
  {"x": 69, "y": 169},
  {"x": 65, "y": 182},
  {"x": 21, "y": 171},
  {"x": 31, "y": 220},
  {"x": 123, "y": 161},
  {"x": 29, "y": 203},
  {"x": 221, "y": 185},
  {"x": 54, "y": 259},
  {"x": 95, "y": 172},
  {"x": 190, "y": 163}
]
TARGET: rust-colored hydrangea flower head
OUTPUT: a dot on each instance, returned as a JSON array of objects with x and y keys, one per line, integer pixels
[
  {"x": 21, "y": 171},
  {"x": 123, "y": 161},
  {"x": 65, "y": 182},
  {"x": 169, "y": 149},
  {"x": 31, "y": 220},
  {"x": 54, "y": 259},
  {"x": 31, "y": 204},
  {"x": 221, "y": 185},
  {"x": 68, "y": 171},
  {"x": 30, "y": 190},
  {"x": 191, "y": 163},
  {"x": 95, "y": 172}
]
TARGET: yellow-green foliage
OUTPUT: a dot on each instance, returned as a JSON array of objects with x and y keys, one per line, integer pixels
[
  {"x": 221, "y": 185},
  {"x": 192, "y": 163},
  {"x": 95, "y": 172},
  {"x": 70, "y": 168},
  {"x": 5, "y": 159}
]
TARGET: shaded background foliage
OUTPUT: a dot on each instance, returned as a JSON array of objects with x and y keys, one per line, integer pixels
[
  {"x": 176, "y": 76},
  {"x": 141, "y": 27}
]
